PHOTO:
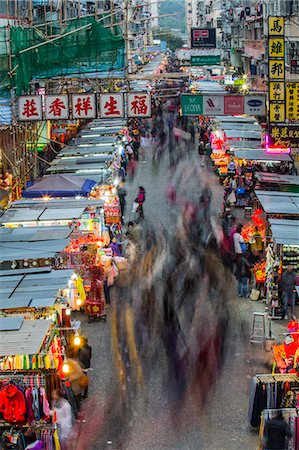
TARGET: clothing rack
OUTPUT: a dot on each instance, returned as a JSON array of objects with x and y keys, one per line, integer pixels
[
  {"x": 277, "y": 377},
  {"x": 30, "y": 380}
]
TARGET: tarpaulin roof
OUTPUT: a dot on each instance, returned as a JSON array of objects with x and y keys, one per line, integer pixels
[
  {"x": 276, "y": 202},
  {"x": 233, "y": 143},
  {"x": 59, "y": 185},
  {"x": 32, "y": 290},
  {"x": 238, "y": 134},
  {"x": 261, "y": 155},
  {"x": 285, "y": 232},
  {"x": 27, "y": 339},
  {"x": 277, "y": 178}
]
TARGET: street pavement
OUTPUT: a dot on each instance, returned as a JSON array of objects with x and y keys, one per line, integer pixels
[{"x": 154, "y": 422}]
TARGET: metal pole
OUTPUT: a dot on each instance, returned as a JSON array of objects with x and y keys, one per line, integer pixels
[{"x": 127, "y": 42}]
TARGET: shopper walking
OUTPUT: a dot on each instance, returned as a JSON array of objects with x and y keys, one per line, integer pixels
[
  {"x": 243, "y": 276},
  {"x": 276, "y": 433},
  {"x": 140, "y": 199},
  {"x": 288, "y": 283},
  {"x": 62, "y": 416},
  {"x": 84, "y": 356}
]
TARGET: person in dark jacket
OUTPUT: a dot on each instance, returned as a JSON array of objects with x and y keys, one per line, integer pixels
[
  {"x": 243, "y": 275},
  {"x": 84, "y": 356},
  {"x": 288, "y": 283},
  {"x": 276, "y": 432}
]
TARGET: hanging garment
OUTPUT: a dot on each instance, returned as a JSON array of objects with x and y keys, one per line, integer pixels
[
  {"x": 259, "y": 403},
  {"x": 35, "y": 403},
  {"x": 12, "y": 404},
  {"x": 29, "y": 408},
  {"x": 45, "y": 403}
]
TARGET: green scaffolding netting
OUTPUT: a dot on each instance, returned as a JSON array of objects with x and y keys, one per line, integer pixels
[{"x": 90, "y": 48}]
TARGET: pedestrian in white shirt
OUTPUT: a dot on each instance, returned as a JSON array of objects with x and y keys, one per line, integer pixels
[{"x": 238, "y": 240}]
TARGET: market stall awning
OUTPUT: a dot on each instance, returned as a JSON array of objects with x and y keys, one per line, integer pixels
[
  {"x": 261, "y": 155},
  {"x": 62, "y": 203},
  {"x": 276, "y": 178},
  {"x": 285, "y": 232},
  {"x": 237, "y": 119},
  {"x": 234, "y": 144},
  {"x": 32, "y": 290},
  {"x": 37, "y": 215},
  {"x": 34, "y": 234},
  {"x": 27, "y": 339},
  {"x": 276, "y": 202},
  {"x": 238, "y": 134},
  {"x": 59, "y": 186},
  {"x": 99, "y": 131},
  {"x": 89, "y": 151},
  {"x": 226, "y": 126},
  {"x": 31, "y": 250}
]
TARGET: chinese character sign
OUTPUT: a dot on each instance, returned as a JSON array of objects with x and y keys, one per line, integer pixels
[
  {"x": 277, "y": 112},
  {"x": 276, "y": 90},
  {"x": 292, "y": 101},
  {"x": 111, "y": 105},
  {"x": 276, "y": 69},
  {"x": 30, "y": 108},
  {"x": 288, "y": 136},
  {"x": 83, "y": 106},
  {"x": 276, "y": 47},
  {"x": 56, "y": 107},
  {"x": 139, "y": 105},
  {"x": 276, "y": 26}
]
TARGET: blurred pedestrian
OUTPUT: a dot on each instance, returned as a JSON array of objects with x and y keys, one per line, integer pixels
[
  {"x": 62, "y": 416},
  {"x": 84, "y": 356},
  {"x": 140, "y": 199},
  {"x": 32, "y": 443},
  {"x": 288, "y": 284},
  {"x": 276, "y": 433},
  {"x": 243, "y": 275}
]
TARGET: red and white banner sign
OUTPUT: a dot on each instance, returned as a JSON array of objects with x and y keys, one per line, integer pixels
[
  {"x": 233, "y": 105},
  {"x": 213, "y": 105},
  {"x": 84, "y": 106},
  {"x": 111, "y": 105},
  {"x": 30, "y": 108},
  {"x": 139, "y": 105},
  {"x": 56, "y": 107}
]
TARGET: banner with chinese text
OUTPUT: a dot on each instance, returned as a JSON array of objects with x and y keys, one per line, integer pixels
[
  {"x": 276, "y": 69},
  {"x": 292, "y": 101},
  {"x": 286, "y": 135}
]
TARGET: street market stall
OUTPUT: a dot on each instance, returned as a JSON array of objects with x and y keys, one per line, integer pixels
[
  {"x": 30, "y": 359},
  {"x": 59, "y": 186},
  {"x": 278, "y": 203},
  {"x": 277, "y": 182}
]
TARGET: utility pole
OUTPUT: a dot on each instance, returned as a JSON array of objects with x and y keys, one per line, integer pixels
[{"x": 127, "y": 42}]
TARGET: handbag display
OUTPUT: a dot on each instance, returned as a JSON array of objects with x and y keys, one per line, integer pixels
[{"x": 254, "y": 295}]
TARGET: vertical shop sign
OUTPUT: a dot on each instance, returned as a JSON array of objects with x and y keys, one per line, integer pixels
[
  {"x": 111, "y": 105},
  {"x": 292, "y": 101},
  {"x": 139, "y": 105},
  {"x": 30, "y": 108},
  {"x": 276, "y": 69},
  {"x": 56, "y": 107},
  {"x": 84, "y": 106}
]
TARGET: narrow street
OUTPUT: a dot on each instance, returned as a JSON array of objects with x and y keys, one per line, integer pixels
[{"x": 223, "y": 423}]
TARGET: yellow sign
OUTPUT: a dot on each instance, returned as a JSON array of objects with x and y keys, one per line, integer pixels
[
  {"x": 276, "y": 26},
  {"x": 292, "y": 101},
  {"x": 276, "y": 47},
  {"x": 276, "y": 91},
  {"x": 277, "y": 112},
  {"x": 276, "y": 69}
]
